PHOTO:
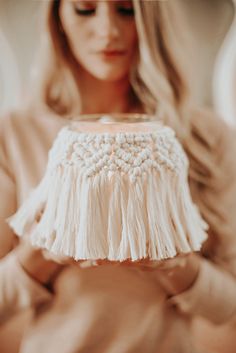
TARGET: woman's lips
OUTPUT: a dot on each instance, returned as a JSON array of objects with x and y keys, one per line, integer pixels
[{"x": 112, "y": 53}]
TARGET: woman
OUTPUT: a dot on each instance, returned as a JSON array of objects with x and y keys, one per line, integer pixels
[{"x": 116, "y": 56}]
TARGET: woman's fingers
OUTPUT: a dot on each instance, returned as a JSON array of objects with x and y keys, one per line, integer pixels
[{"x": 60, "y": 259}]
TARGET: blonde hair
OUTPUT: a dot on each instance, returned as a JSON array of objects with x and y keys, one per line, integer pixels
[{"x": 157, "y": 79}]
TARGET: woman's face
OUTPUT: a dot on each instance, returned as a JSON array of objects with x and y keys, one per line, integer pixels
[{"x": 102, "y": 36}]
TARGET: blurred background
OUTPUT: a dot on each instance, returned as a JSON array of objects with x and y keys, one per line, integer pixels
[{"x": 209, "y": 23}]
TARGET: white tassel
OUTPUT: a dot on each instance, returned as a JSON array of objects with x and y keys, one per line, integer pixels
[
  {"x": 161, "y": 244},
  {"x": 136, "y": 221},
  {"x": 91, "y": 240},
  {"x": 113, "y": 196},
  {"x": 124, "y": 248},
  {"x": 115, "y": 219}
]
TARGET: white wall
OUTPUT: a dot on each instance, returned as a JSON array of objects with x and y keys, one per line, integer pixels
[
  {"x": 18, "y": 41},
  {"x": 208, "y": 20},
  {"x": 224, "y": 82}
]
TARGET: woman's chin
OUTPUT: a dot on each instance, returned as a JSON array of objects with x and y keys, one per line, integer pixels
[
  {"x": 110, "y": 76},
  {"x": 109, "y": 73}
]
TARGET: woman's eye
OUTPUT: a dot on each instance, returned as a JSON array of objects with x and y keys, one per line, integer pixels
[
  {"x": 126, "y": 12},
  {"x": 84, "y": 8},
  {"x": 125, "y": 8}
]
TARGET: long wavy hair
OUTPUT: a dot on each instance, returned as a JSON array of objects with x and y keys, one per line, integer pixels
[{"x": 158, "y": 78}]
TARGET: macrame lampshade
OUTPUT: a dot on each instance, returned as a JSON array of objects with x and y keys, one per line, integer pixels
[{"x": 113, "y": 190}]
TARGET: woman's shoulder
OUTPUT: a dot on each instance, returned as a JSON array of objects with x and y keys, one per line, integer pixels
[
  {"x": 210, "y": 128},
  {"x": 28, "y": 122},
  {"x": 211, "y": 142},
  {"x": 12, "y": 120}
]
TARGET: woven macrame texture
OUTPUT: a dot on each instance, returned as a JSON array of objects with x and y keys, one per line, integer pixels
[{"x": 113, "y": 196}]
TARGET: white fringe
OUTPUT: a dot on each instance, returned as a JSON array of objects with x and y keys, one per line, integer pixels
[{"x": 109, "y": 215}]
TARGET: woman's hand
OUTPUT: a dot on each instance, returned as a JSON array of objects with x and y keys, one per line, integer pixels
[
  {"x": 35, "y": 262},
  {"x": 175, "y": 275}
]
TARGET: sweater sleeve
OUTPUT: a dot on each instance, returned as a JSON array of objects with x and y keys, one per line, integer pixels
[
  {"x": 213, "y": 295},
  {"x": 213, "y": 163},
  {"x": 17, "y": 289}
]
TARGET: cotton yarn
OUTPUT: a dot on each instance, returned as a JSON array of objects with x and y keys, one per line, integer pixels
[{"x": 114, "y": 196}]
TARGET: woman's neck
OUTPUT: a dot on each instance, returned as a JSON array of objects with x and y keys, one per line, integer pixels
[{"x": 107, "y": 97}]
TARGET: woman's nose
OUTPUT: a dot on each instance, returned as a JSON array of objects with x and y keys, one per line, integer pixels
[{"x": 107, "y": 26}]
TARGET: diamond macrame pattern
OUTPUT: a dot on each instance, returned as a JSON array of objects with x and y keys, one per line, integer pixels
[{"x": 130, "y": 153}]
